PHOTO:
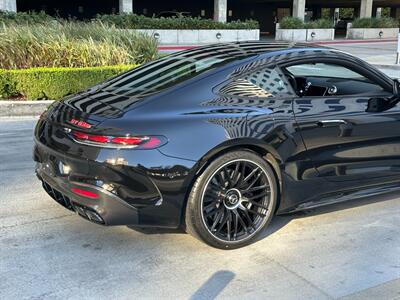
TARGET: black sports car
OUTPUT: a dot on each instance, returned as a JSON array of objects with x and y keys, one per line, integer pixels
[{"x": 220, "y": 138}]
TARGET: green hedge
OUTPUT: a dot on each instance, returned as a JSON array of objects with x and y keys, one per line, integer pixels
[
  {"x": 132, "y": 21},
  {"x": 25, "y": 18},
  {"x": 375, "y": 23},
  {"x": 296, "y": 23},
  {"x": 53, "y": 83}
]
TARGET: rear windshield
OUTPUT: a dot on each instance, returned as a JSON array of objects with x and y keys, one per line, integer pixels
[{"x": 173, "y": 69}]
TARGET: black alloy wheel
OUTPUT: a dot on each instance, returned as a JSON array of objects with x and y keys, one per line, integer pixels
[{"x": 236, "y": 201}]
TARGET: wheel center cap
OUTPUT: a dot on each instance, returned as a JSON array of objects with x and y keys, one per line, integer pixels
[{"x": 232, "y": 199}]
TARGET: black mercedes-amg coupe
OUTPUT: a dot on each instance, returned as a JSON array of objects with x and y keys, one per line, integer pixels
[{"x": 218, "y": 139}]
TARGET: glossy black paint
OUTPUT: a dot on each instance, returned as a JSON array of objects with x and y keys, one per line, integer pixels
[{"x": 315, "y": 164}]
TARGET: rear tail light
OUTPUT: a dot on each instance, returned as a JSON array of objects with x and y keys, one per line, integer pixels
[
  {"x": 138, "y": 142},
  {"x": 85, "y": 193}
]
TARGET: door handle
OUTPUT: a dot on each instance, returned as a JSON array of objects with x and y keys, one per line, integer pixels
[
  {"x": 332, "y": 123},
  {"x": 346, "y": 128}
]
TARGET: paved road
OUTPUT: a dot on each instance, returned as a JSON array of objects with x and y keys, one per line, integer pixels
[{"x": 349, "y": 250}]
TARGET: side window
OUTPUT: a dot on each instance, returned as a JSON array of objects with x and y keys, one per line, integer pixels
[
  {"x": 323, "y": 79},
  {"x": 263, "y": 83}
]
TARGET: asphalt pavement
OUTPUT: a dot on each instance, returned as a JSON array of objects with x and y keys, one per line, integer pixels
[{"x": 349, "y": 250}]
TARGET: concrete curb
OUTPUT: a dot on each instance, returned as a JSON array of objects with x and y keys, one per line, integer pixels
[{"x": 23, "y": 108}]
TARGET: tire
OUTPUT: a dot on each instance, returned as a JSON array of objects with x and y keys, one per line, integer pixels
[{"x": 232, "y": 201}]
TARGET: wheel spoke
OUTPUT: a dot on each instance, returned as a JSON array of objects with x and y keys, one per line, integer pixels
[
  {"x": 216, "y": 220},
  {"x": 241, "y": 175},
  {"x": 258, "y": 204},
  {"x": 224, "y": 219},
  {"x": 208, "y": 198},
  {"x": 258, "y": 196},
  {"x": 209, "y": 206},
  {"x": 235, "y": 174},
  {"x": 236, "y": 224},
  {"x": 220, "y": 180},
  {"x": 228, "y": 225},
  {"x": 241, "y": 221},
  {"x": 246, "y": 214},
  {"x": 227, "y": 176},
  {"x": 251, "y": 174},
  {"x": 255, "y": 189},
  {"x": 256, "y": 213},
  {"x": 254, "y": 181}
]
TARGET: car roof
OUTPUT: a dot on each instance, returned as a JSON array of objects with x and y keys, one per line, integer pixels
[
  {"x": 268, "y": 47},
  {"x": 254, "y": 47}
]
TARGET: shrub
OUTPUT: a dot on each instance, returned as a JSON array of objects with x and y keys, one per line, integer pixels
[
  {"x": 321, "y": 23},
  {"x": 132, "y": 21},
  {"x": 53, "y": 83},
  {"x": 25, "y": 18},
  {"x": 72, "y": 45},
  {"x": 375, "y": 23},
  {"x": 291, "y": 23},
  {"x": 296, "y": 23}
]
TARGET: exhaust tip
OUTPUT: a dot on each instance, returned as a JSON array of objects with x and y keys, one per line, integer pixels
[{"x": 88, "y": 214}]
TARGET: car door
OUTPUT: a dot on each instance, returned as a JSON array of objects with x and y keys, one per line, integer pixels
[{"x": 343, "y": 140}]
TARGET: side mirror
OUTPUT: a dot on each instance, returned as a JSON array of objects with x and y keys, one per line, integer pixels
[
  {"x": 378, "y": 104},
  {"x": 382, "y": 104}
]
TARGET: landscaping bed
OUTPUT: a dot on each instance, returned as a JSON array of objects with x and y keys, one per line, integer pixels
[
  {"x": 373, "y": 28},
  {"x": 51, "y": 60}
]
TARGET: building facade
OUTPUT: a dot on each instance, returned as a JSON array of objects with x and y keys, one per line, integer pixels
[{"x": 267, "y": 12}]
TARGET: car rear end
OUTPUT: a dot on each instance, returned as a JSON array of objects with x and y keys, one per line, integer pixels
[{"x": 106, "y": 176}]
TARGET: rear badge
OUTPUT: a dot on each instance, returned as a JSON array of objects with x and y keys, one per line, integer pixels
[{"x": 81, "y": 124}]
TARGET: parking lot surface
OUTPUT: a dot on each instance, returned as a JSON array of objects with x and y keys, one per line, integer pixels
[{"x": 349, "y": 250}]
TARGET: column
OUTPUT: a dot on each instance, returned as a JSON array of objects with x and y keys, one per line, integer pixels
[
  {"x": 126, "y": 6},
  {"x": 220, "y": 10},
  {"x": 8, "y": 5},
  {"x": 366, "y": 9},
  {"x": 396, "y": 13},
  {"x": 378, "y": 12},
  {"x": 299, "y": 9}
]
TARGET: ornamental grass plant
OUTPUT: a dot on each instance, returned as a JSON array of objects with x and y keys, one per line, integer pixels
[{"x": 72, "y": 44}]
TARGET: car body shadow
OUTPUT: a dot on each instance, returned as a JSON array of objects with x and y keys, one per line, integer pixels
[{"x": 281, "y": 221}]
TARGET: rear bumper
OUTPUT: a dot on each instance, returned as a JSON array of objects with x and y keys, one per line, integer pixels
[
  {"x": 106, "y": 209},
  {"x": 148, "y": 190}
]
